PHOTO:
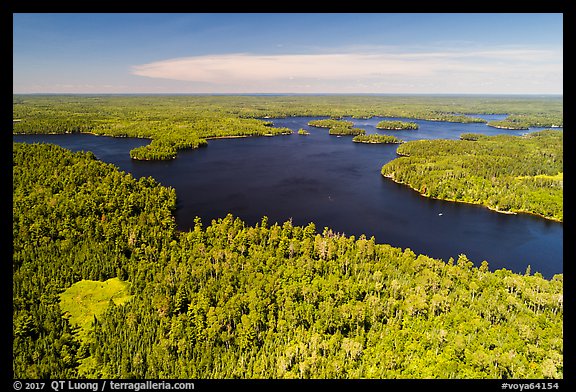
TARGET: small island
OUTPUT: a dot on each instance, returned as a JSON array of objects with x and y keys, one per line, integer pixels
[
  {"x": 304, "y": 132},
  {"x": 473, "y": 137},
  {"x": 337, "y": 127},
  {"x": 330, "y": 123},
  {"x": 396, "y": 125},
  {"x": 163, "y": 150},
  {"x": 345, "y": 131},
  {"x": 377, "y": 139}
]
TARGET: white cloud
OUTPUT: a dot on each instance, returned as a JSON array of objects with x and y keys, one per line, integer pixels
[
  {"x": 345, "y": 72},
  {"x": 246, "y": 67}
]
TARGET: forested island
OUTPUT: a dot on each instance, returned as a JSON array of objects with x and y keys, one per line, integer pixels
[
  {"x": 505, "y": 173},
  {"x": 376, "y": 139},
  {"x": 331, "y": 123},
  {"x": 337, "y": 127},
  {"x": 161, "y": 149},
  {"x": 228, "y": 300},
  {"x": 346, "y": 131},
  {"x": 177, "y": 122},
  {"x": 396, "y": 125}
]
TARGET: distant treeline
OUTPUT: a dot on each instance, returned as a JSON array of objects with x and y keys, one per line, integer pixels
[{"x": 175, "y": 122}]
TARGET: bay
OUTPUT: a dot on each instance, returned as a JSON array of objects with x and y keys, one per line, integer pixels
[{"x": 336, "y": 183}]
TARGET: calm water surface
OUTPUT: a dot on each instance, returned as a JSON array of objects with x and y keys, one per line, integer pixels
[{"x": 336, "y": 183}]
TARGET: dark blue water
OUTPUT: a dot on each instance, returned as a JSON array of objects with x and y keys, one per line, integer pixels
[{"x": 336, "y": 183}]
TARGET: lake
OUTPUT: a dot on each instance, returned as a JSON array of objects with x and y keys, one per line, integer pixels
[{"x": 336, "y": 183}]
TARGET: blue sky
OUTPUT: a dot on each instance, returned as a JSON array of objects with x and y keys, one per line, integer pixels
[{"x": 288, "y": 53}]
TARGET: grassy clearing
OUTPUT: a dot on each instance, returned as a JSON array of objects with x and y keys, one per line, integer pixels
[{"x": 87, "y": 299}]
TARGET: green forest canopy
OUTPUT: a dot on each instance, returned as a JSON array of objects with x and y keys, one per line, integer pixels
[
  {"x": 227, "y": 300},
  {"x": 503, "y": 172}
]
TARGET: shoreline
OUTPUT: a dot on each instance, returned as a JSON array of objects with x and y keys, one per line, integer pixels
[
  {"x": 391, "y": 177},
  {"x": 225, "y": 137},
  {"x": 246, "y": 136},
  {"x": 397, "y": 129},
  {"x": 146, "y": 137},
  {"x": 151, "y": 140},
  {"x": 80, "y": 133},
  {"x": 369, "y": 142},
  {"x": 508, "y": 128}
]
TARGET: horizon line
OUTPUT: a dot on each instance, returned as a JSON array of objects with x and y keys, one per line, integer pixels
[{"x": 293, "y": 94}]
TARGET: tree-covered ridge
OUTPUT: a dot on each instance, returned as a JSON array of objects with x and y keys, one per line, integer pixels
[
  {"x": 396, "y": 125},
  {"x": 376, "y": 139},
  {"x": 503, "y": 172},
  {"x": 266, "y": 301}
]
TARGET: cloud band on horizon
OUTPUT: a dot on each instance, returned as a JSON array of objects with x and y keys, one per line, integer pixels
[{"x": 469, "y": 69}]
